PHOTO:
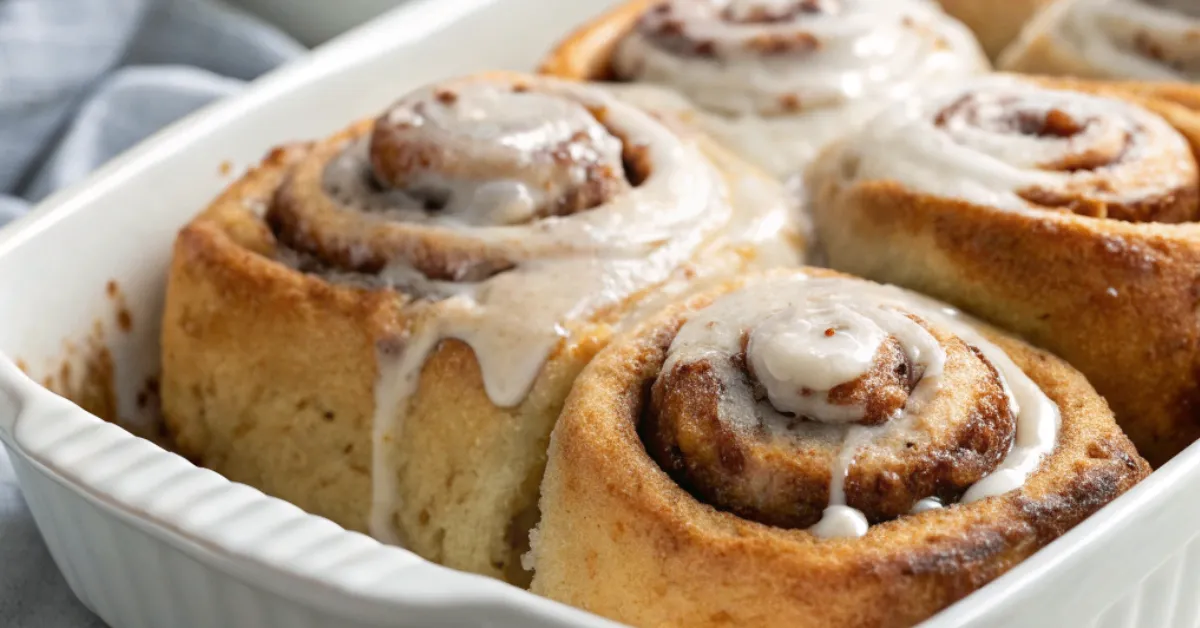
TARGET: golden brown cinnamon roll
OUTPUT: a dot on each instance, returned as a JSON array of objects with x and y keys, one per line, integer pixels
[
  {"x": 810, "y": 449},
  {"x": 1151, "y": 40},
  {"x": 1064, "y": 211},
  {"x": 381, "y": 327},
  {"x": 775, "y": 80}
]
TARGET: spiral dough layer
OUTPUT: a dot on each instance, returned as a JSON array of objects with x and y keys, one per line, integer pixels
[
  {"x": 1008, "y": 143},
  {"x": 1153, "y": 40},
  {"x": 833, "y": 403},
  {"x": 771, "y": 58},
  {"x": 774, "y": 79}
]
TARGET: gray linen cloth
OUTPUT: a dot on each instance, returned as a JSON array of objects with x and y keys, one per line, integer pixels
[{"x": 81, "y": 81}]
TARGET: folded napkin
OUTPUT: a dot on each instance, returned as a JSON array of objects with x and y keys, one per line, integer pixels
[{"x": 81, "y": 81}]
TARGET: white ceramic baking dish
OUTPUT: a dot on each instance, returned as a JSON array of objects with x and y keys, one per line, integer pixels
[{"x": 145, "y": 539}]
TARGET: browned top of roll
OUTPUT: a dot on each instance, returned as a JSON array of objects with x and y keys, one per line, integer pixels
[
  {"x": 783, "y": 478},
  {"x": 659, "y": 551},
  {"x": 473, "y": 153}
]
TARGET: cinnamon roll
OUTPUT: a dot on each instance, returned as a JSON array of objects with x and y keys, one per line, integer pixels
[
  {"x": 381, "y": 327},
  {"x": 811, "y": 449},
  {"x": 1066, "y": 212},
  {"x": 995, "y": 24},
  {"x": 1153, "y": 40},
  {"x": 774, "y": 80}
]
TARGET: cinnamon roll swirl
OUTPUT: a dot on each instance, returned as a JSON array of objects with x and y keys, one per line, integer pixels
[
  {"x": 1152, "y": 40},
  {"x": 381, "y": 327},
  {"x": 774, "y": 80},
  {"x": 812, "y": 449},
  {"x": 1064, "y": 211}
]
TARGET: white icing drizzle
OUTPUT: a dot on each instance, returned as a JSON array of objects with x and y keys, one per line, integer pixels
[
  {"x": 927, "y": 504},
  {"x": 839, "y": 520},
  {"x": 816, "y": 346},
  {"x": 796, "y": 311},
  {"x": 1156, "y": 40},
  {"x": 568, "y": 268},
  {"x": 781, "y": 108},
  {"x": 977, "y": 156}
]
